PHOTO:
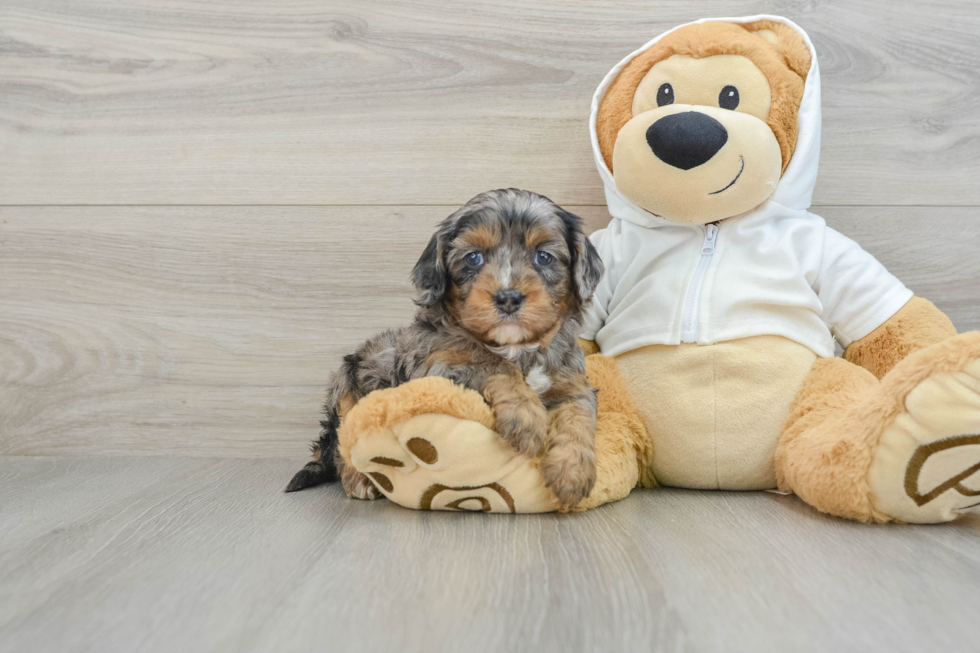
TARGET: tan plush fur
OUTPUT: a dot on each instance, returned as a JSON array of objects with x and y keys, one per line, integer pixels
[
  {"x": 831, "y": 436},
  {"x": 427, "y": 395},
  {"x": 624, "y": 450},
  {"x": 785, "y": 66},
  {"x": 819, "y": 457},
  {"x": 918, "y": 324},
  {"x": 588, "y": 346},
  {"x": 714, "y": 413}
]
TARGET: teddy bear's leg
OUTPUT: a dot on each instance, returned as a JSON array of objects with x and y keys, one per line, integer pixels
[
  {"x": 429, "y": 444},
  {"x": 904, "y": 449},
  {"x": 815, "y": 458},
  {"x": 623, "y": 449}
]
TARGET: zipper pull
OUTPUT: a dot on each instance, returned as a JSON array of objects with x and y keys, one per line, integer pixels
[{"x": 710, "y": 237}]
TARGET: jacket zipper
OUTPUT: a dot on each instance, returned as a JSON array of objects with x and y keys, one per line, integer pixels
[{"x": 689, "y": 323}]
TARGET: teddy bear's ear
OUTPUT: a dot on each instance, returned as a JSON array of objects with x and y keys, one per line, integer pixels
[{"x": 787, "y": 41}]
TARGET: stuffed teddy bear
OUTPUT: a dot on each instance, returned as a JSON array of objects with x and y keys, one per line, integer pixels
[{"x": 717, "y": 318}]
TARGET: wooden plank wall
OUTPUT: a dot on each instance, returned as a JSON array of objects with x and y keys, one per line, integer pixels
[{"x": 204, "y": 205}]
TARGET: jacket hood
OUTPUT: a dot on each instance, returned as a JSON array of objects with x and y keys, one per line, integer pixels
[{"x": 795, "y": 188}]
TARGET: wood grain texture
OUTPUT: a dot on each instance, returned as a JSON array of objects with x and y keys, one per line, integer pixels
[
  {"x": 170, "y": 554},
  {"x": 429, "y": 102},
  {"x": 211, "y": 330}
]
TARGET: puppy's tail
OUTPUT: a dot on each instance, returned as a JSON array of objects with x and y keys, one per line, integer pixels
[
  {"x": 342, "y": 389},
  {"x": 323, "y": 467}
]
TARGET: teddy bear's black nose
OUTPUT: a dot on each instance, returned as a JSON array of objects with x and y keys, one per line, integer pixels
[{"x": 686, "y": 140}]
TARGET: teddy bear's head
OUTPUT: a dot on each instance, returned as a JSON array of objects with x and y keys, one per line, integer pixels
[{"x": 701, "y": 126}]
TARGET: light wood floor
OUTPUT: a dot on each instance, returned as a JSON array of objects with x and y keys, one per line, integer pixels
[
  {"x": 203, "y": 205},
  {"x": 202, "y": 554}
]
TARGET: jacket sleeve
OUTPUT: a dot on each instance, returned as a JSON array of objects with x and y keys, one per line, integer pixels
[
  {"x": 597, "y": 312},
  {"x": 857, "y": 293}
]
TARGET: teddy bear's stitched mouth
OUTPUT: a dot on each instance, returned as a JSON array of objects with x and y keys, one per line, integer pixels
[{"x": 732, "y": 183}]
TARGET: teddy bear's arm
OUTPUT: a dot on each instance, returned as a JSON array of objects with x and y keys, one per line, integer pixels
[{"x": 916, "y": 325}]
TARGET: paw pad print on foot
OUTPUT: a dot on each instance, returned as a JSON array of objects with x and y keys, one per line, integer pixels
[
  {"x": 932, "y": 471},
  {"x": 441, "y": 460},
  {"x": 926, "y": 467}
]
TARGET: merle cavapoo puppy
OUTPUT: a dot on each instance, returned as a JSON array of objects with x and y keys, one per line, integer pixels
[{"x": 501, "y": 289}]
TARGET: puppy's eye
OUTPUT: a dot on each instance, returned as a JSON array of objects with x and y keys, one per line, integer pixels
[
  {"x": 665, "y": 94},
  {"x": 728, "y": 98},
  {"x": 543, "y": 258},
  {"x": 473, "y": 259}
]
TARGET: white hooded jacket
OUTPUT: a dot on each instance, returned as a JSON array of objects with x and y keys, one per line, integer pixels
[{"x": 775, "y": 270}]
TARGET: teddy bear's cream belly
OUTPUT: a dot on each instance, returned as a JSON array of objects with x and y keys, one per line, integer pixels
[{"x": 715, "y": 412}]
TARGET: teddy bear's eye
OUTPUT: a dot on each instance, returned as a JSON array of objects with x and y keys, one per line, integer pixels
[
  {"x": 728, "y": 98},
  {"x": 665, "y": 94}
]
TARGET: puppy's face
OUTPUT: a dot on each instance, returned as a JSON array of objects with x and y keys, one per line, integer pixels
[
  {"x": 509, "y": 276},
  {"x": 509, "y": 267}
]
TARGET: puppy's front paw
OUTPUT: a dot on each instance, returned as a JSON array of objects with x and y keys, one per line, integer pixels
[
  {"x": 359, "y": 486},
  {"x": 569, "y": 471},
  {"x": 523, "y": 424}
]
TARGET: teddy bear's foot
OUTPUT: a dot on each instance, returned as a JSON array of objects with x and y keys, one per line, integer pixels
[
  {"x": 428, "y": 445},
  {"x": 440, "y": 462},
  {"x": 926, "y": 468}
]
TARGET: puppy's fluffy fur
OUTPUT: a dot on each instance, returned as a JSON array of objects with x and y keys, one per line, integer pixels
[{"x": 501, "y": 289}]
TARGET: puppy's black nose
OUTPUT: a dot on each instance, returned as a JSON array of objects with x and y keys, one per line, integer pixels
[
  {"x": 686, "y": 140},
  {"x": 508, "y": 301}
]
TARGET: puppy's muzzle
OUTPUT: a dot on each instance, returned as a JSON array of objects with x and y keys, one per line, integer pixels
[
  {"x": 686, "y": 140},
  {"x": 508, "y": 301}
]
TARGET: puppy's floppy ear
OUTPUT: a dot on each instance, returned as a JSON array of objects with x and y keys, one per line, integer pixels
[
  {"x": 429, "y": 273},
  {"x": 587, "y": 266}
]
